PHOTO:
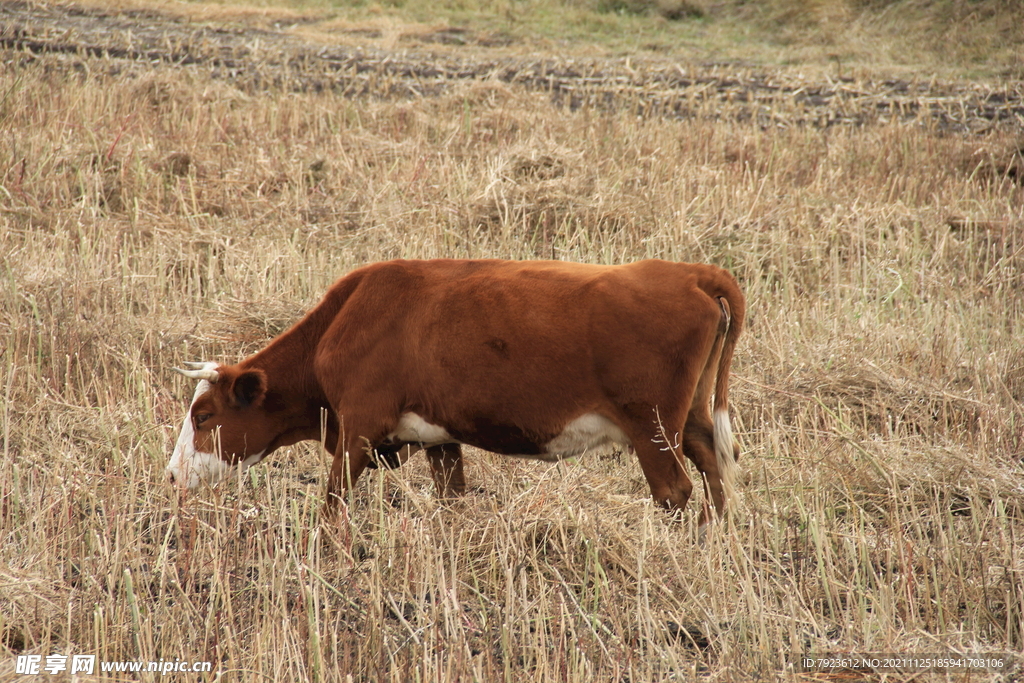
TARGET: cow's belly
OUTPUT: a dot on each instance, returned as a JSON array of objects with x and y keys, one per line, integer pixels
[{"x": 587, "y": 432}]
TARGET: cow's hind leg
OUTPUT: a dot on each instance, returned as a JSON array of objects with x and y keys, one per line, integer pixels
[
  {"x": 446, "y": 467},
  {"x": 699, "y": 447},
  {"x": 657, "y": 440},
  {"x": 699, "y": 432},
  {"x": 670, "y": 486}
]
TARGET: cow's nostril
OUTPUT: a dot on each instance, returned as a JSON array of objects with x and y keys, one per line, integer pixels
[{"x": 170, "y": 477}]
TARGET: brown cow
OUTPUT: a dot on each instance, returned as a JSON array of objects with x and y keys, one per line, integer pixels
[{"x": 540, "y": 359}]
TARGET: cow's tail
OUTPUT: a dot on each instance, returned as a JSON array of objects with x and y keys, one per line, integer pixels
[{"x": 726, "y": 449}]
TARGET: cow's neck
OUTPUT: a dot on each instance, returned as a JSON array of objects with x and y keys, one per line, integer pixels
[
  {"x": 288, "y": 359},
  {"x": 294, "y": 395}
]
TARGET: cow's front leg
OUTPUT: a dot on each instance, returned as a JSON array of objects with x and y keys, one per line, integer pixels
[
  {"x": 350, "y": 459},
  {"x": 446, "y": 466}
]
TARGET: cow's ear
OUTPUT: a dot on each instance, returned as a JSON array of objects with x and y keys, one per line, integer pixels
[{"x": 249, "y": 388}]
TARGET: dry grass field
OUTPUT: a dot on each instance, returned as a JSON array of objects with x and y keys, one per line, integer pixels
[{"x": 173, "y": 191}]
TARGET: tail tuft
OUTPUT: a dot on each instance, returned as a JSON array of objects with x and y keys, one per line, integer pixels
[{"x": 728, "y": 469}]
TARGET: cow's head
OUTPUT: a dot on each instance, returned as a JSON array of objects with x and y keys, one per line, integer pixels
[{"x": 225, "y": 430}]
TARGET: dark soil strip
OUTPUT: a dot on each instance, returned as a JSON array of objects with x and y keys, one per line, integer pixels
[{"x": 255, "y": 59}]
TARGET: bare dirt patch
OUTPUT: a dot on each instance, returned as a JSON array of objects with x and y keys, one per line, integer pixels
[{"x": 260, "y": 58}]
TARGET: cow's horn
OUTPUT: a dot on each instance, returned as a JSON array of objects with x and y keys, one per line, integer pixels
[{"x": 200, "y": 371}]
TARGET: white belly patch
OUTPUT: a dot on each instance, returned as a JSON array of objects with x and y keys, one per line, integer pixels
[
  {"x": 587, "y": 432},
  {"x": 414, "y": 429}
]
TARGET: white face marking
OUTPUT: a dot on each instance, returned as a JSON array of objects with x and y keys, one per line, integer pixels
[
  {"x": 414, "y": 429},
  {"x": 189, "y": 467},
  {"x": 585, "y": 433}
]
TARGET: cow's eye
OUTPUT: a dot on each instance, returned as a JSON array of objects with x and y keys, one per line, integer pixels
[{"x": 199, "y": 419}]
